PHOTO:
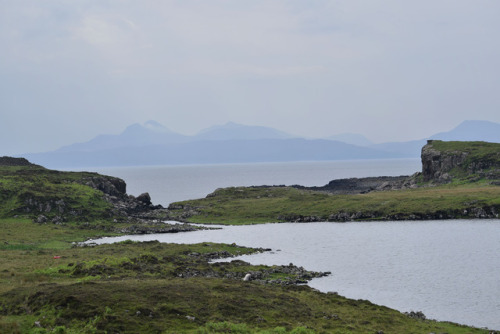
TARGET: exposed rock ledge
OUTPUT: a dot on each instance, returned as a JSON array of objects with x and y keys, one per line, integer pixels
[
  {"x": 437, "y": 168},
  {"x": 485, "y": 212},
  {"x": 366, "y": 184}
]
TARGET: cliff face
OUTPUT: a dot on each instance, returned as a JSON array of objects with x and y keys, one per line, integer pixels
[
  {"x": 107, "y": 184},
  {"x": 437, "y": 164},
  {"x": 443, "y": 161}
]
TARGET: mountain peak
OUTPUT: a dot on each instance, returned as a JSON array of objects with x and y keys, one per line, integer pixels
[
  {"x": 235, "y": 131},
  {"x": 351, "y": 138},
  {"x": 472, "y": 130},
  {"x": 155, "y": 126},
  {"x": 149, "y": 126}
]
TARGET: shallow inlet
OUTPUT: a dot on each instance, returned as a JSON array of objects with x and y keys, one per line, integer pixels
[{"x": 446, "y": 269}]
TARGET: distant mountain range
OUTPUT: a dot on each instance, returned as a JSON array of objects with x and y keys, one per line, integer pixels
[
  {"x": 466, "y": 131},
  {"x": 153, "y": 144}
]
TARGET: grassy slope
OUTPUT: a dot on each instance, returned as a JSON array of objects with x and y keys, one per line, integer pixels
[
  {"x": 477, "y": 150},
  {"x": 19, "y": 184},
  {"x": 135, "y": 288}
]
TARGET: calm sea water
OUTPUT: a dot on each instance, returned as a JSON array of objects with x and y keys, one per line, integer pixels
[
  {"x": 167, "y": 184},
  {"x": 447, "y": 269}
]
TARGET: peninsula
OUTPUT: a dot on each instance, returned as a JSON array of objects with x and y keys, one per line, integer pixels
[{"x": 458, "y": 180}]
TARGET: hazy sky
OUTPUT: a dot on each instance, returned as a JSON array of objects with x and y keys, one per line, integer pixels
[{"x": 392, "y": 70}]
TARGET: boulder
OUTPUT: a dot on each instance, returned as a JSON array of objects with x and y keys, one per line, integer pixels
[
  {"x": 144, "y": 198},
  {"x": 41, "y": 219}
]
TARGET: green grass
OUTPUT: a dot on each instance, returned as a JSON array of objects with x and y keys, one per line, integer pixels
[
  {"x": 26, "y": 191},
  {"x": 275, "y": 204},
  {"x": 205, "y": 305},
  {"x": 478, "y": 150},
  {"x": 149, "y": 287},
  {"x": 480, "y": 156},
  {"x": 136, "y": 287},
  {"x": 23, "y": 234}
]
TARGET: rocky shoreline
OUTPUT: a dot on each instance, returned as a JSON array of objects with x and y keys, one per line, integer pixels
[
  {"x": 365, "y": 185},
  {"x": 486, "y": 212},
  {"x": 196, "y": 264}
]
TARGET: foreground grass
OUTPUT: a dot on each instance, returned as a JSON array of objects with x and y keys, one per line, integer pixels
[
  {"x": 48, "y": 286},
  {"x": 190, "y": 305},
  {"x": 274, "y": 204}
]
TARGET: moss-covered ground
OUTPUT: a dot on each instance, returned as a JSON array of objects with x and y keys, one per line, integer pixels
[
  {"x": 47, "y": 285},
  {"x": 23, "y": 188},
  {"x": 275, "y": 204},
  {"x": 475, "y": 150}
]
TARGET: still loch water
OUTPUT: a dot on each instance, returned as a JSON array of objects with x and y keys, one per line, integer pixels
[{"x": 447, "y": 269}]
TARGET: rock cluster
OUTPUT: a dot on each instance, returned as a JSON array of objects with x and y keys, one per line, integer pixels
[
  {"x": 488, "y": 212},
  {"x": 365, "y": 185},
  {"x": 198, "y": 265},
  {"x": 126, "y": 206},
  {"x": 416, "y": 315},
  {"x": 109, "y": 185},
  {"x": 284, "y": 275}
]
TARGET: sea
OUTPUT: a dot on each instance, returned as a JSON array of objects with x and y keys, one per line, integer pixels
[{"x": 447, "y": 269}]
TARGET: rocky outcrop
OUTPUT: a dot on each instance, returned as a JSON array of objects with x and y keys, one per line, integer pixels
[
  {"x": 144, "y": 198},
  {"x": 107, "y": 184},
  {"x": 365, "y": 185},
  {"x": 443, "y": 161},
  {"x": 436, "y": 164}
]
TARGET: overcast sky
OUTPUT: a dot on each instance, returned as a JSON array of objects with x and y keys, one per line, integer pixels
[{"x": 392, "y": 70}]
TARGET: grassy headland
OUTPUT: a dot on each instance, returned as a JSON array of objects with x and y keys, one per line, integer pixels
[
  {"x": 26, "y": 190},
  {"x": 459, "y": 180},
  {"x": 284, "y": 204}
]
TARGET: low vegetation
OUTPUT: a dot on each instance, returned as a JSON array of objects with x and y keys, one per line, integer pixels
[
  {"x": 32, "y": 190},
  {"x": 51, "y": 286},
  {"x": 281, "y": 204},
  {"x": 475, "y": 150},
  {"x": 50, "y": 283}
]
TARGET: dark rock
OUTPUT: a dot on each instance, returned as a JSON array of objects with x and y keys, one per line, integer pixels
[
  {"x": 362, "y": 185},
  {"x": 10, "y": 161},
  {"x": 416, "y": 315},
  {"x": 144, "y": 198},
  {"x": 436, "y": 164},
  {"x": 109, "y": 185}
]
